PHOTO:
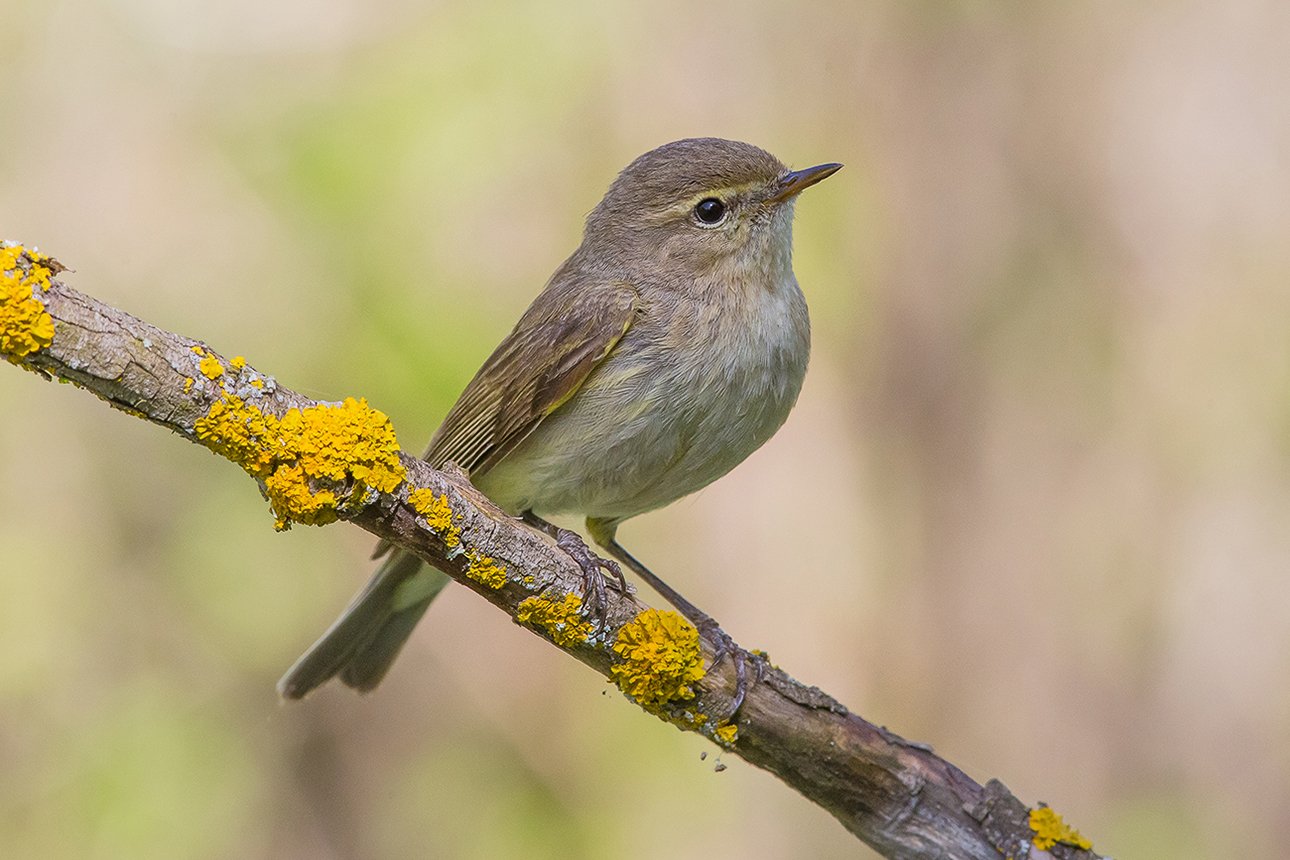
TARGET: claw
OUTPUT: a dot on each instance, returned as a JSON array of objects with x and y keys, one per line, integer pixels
[
  {"x": 595, "y": 601},
  {"x": 725, "y": 647},
  {"x": 594, "y": 597}
]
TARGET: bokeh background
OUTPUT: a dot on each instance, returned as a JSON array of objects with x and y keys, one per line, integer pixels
[{"x": 1032, "y": 507}]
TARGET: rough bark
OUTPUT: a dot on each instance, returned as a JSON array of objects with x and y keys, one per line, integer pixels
[{"x": 897, "y": 796}]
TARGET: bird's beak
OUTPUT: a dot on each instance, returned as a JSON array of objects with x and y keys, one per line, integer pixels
[{"x": 792, "y": 184}]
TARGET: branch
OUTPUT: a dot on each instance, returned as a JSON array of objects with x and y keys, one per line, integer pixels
[{"x": 319, "y": 462}]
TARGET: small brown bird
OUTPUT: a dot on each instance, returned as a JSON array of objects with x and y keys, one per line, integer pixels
[{"x": 668, "y": 348}]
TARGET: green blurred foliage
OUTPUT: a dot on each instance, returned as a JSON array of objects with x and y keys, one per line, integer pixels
[{"x": 1030, "y": 508}]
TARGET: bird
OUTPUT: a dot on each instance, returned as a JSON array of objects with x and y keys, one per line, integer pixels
[{"x": 668, "y": 347}]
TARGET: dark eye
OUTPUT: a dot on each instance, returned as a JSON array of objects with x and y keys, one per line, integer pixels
[{"x": 710, "y": 210}]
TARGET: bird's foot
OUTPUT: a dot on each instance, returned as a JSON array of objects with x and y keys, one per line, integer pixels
[
  {"x": 741, "y": 659},
  {"x": 595, "y": 600}
]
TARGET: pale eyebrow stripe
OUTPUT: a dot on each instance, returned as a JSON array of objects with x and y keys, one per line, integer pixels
[{"x": 725, "y": 192}]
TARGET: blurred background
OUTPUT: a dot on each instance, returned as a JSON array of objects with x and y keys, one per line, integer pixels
[{"x": 1032, "y": 506}]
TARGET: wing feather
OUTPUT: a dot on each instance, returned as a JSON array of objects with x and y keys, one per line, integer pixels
[
  {"x": 562, "y": 337},
  {"x": 552, "y": 350}
]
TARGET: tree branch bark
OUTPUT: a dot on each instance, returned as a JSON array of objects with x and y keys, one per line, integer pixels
[{"x": 897, "y": 796}]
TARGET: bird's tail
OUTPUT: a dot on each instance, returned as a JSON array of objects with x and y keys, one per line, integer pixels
[{"x": 363, "y": 642}]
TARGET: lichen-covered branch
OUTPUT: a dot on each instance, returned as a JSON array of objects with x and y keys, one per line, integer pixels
[{"x": 321, "y": 462}]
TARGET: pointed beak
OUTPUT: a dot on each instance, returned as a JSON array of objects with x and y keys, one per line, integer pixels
[{"x": 792, "y": 184}]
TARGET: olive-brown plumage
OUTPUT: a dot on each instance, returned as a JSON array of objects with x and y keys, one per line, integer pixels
[{"x": 668, "y": 347}]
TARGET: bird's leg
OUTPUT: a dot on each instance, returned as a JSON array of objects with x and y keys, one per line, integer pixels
[
  {"x": 725, "y": 646},
  {"x": 593, "y": 594}
]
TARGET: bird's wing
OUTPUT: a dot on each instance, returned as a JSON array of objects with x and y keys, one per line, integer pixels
[
  {"x": 552, "y": 350},
  {"x": 555, "y": 346}
]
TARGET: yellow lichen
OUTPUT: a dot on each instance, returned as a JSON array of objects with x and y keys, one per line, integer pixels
[
  {"x": 196, "y": 348},
  {"x": 257, "y": 383},
  {"x": 349, "y": 440},
  {"x": 438, "y": 514},
  {"x": 660, "y": 658},
  {"x": 1050, "y": 830},
  {"x": 188, "y": 384},
  {"x": 210, "y": 366},
  {"x": 290, "y": 496},
  {"x": 40, "y": 269},
  {"x": 237, "y": 362},
  {"x": 726, "y": 734},
  {"x": 485, "y": 570},
  {"x": 316, "y": 462},
  {"x": 562, "y": 621},
  {"x": 25, "y": 325},
  {"x": 241, "y": 432}
]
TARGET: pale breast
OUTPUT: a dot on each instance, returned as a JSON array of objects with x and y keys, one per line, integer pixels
[{"x": 688, "y": 395}]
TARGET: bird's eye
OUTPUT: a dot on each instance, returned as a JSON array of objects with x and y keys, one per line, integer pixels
[{"x": 710, "y": 211}]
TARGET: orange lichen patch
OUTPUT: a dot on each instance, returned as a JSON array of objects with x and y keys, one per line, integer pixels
[
  {"x": 25, "y": 325},
  {"x": 1050, "y": 829},
  {"x": 562, "y": 620},
  {"x": 316, "y": 462},
  {"x": 660, "y": 658},
  {"x": 485, "y": 570},
  {"x": 438, "y": 514}
]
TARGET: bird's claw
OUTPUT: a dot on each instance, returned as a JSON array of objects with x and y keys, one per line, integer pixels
[
  {"x": 595, "y": 599},
  {"x": 725, "y": 646}
]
